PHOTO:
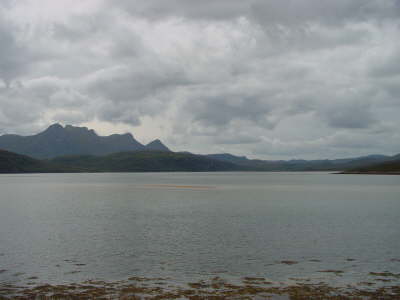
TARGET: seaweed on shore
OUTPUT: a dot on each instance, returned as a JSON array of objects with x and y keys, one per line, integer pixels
[{"x": 214, "y": 288}]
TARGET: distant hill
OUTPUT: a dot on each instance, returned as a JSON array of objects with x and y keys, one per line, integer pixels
[
  {"x": 145, "y": 161},
  {"x": 157, "y": 145},
  {"x": 16, "y": 163},
  {"x": 230, "y": 158},
  {"x": 70, "y": 140},
  {"x": 166, "y": 161},
  {"x": 388, "y": 167},
  {"x": 136, "y": 161},
  {"x": 299, "y": 164}
]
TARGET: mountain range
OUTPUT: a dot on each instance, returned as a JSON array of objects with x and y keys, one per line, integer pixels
[
  {"x": 148, "y": 161},
  {"x": 133, "y": 161},
  {"x": 79, "y": 149},
  {"x": 303, "y": 165},
  {"x": 70, "y": 140}
]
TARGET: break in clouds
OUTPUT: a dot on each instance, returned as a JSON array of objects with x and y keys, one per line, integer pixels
[{"x": 263, "y": 78}]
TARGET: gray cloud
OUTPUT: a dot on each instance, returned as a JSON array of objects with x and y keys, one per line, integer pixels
[
  {"x": 304, "y": 78},
  {"x": 221, "y": 109},
  {"x": 349, "y": 111},
  {"x": 208, "y": 9},
  {"x": 272, "y": 12},
  {"x": 14, "y": 58},
  {"x": 387, "y": 65},
  {"x": 325, "y": 12}
]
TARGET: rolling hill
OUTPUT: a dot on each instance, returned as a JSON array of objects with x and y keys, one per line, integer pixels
[
  {"x": 300, "y": 164},
  {"x": 15, "y": 163},
  {"x": 146, "y": 161},
  {"x": 388, "y": 167}
]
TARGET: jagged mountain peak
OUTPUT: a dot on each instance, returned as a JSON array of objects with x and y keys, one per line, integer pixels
[
  {"x": 58, "y": 140},
  {"x": 157, "y": 145},
  {"x": 54, "y": 128},
  {"x": 125, "y": 135},
  {"x": 57, "y": 131}
]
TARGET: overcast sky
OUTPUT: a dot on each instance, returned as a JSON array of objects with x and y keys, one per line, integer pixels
[{"x": 264, "y": 78}]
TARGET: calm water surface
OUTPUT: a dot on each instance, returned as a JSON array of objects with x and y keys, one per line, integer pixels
[{"x": 184, "y": 226}]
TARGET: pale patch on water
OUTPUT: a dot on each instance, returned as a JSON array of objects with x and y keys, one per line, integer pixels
[{"x": 176, "y": 186}]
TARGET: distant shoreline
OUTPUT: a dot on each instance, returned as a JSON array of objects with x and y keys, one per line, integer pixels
[{"x": 369, "y": 173}]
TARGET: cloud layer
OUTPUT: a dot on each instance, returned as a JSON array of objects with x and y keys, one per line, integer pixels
[{"x": 268, "y": 79}]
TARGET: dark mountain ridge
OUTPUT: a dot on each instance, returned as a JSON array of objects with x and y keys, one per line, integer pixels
[
  {"x": 301, "y": 165},
  {"x": 145, "y": 161},
  {"x": 152, "y": 161},
  {"x": 157, "y": 145},
  {"x": 16, "y": 163},
  {"x": 388, "y": 167},
  {"x": 134, "y": 161},
  {"x": 70, "y": 140}
]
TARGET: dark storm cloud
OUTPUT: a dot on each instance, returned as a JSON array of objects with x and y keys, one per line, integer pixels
[
  {"x": 350, "y": 115},
  {"x": 273, "y": 78},
  {"x": 220, "y": 110}
]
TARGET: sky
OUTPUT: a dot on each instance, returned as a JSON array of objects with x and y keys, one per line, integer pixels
[{"x": 270, "y": 79}]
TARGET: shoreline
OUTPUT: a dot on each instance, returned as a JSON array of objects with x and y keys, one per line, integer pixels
[
  {"x": 369, "y": 173},
  {"x": 213, "y": 288}
]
